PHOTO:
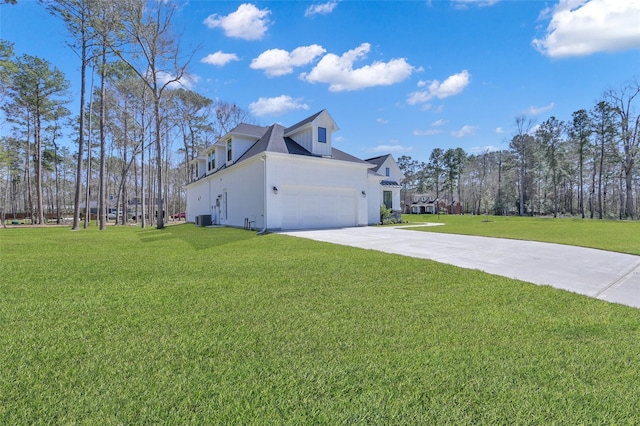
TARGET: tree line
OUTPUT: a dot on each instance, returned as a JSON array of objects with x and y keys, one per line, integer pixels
[
  {"x": 137, "y": 129},
  {"x": 586, "y": 166},
  {"x": 135, "y": 132}
]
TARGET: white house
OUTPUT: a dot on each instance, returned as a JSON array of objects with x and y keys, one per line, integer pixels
[{"x": 276, "y": 178}]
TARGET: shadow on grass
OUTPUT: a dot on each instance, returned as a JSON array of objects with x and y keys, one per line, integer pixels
[{"x": 198, "y": 238}]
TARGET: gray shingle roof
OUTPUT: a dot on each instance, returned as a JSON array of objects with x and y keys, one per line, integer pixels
[
  {"x": 249, "y": 130},
  {"x": 378, "y": 161},
  {"x": 336, "y": 154},
  {"x": 273, "y": 140},
  {"x": 270, "y": 140},
  {"x": 303, "y": 122}
]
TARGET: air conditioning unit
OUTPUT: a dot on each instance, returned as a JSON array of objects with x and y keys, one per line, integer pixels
[{"x": 203, "y": 220}]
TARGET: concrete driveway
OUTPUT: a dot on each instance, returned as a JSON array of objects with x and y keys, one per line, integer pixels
[{"x": 604, "y": 275}]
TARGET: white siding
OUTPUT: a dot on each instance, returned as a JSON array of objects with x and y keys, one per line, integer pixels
[
  {"x": 240, "y": 146},
  {"x": 315, "y": 192},
  {"x": 318, "y": 147},
  {"x": 198, "y": 199},
  {"x": 395, "y": 174},
  {"x": 244, "y": 188},
  {"x": 304, "y": 138},
  {"x": 374, "y": 200}
]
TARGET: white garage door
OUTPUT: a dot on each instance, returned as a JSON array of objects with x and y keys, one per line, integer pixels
[{"x": 318, "y": 208}]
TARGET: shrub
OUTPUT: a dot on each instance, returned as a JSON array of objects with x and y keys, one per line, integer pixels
[{"x": 386, "y": 216}]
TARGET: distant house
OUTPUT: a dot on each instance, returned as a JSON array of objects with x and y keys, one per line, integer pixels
[
  {"x": 428, "y": 204},
  {"x": 422, "y": 204},
  {"x": 276, "y": 178}
]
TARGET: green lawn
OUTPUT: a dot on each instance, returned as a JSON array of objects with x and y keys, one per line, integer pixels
[
  {"x": 619, "y": 236},
  {"x": 219, "y": 326}
]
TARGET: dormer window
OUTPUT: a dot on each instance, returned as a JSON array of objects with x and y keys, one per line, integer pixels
[
  {"x": 229, "y": 150},
  {"x": 386, "y": 172},
  {"x": 322, "y": 134},
  {"x": 211, "y": 161}
]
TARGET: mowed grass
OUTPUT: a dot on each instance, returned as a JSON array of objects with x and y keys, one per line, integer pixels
[
  {"x": 618, "y": 236},
  {"x": 219, "y": 326}
]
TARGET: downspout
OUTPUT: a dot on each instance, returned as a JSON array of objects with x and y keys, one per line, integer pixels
[
  {"x": 264, "y": 215},
  {"x": 209, "y": 202}
]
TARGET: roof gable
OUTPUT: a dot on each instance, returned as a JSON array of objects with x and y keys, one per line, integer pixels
[
  {"x": 378, "y": 161},
  {"x": 309, "y": 120},
  {"x": 274, "y": 140},
  {"x": 302, "y": 123}
]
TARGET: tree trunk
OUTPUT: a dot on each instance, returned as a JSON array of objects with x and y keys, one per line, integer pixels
[
  {"x": 87, "y": 200},
  {"x": 142, "y": 182},
  {"x": 629, "y": 210},
  {"x": 39, "y": 194},
  {"x": 57, "y": 171},
  {"x": 555, "y": 193},
  {"x": 76, "y": 198},
  {"x": 522, "y": 186},
  {"x": 581, "y": 188},
  {"x": 158, "y": 143},
  {"x": 600, "y": 179},
  {"x": 102, "y": 202}
]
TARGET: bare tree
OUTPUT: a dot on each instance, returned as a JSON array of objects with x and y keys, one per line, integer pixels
[
  {"x": 75, "y": 14},
  {"x": 521, "y": 147},
  {"x": 624, "y": 102},
  {"x": 228, "y": 116},
  {"x": 104, "y": 17},
  {"x": 602, "y": 119},
  {"x": 156, "y": 59}
]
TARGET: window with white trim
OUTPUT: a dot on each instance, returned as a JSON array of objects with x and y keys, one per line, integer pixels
[
  {"x": 386, "y": 173},
  {"x": 229, "y": 150},
  {"x": 387, "y": 199},
  {"x": 211, "y": 161},
  {"x": 322, "y": 134}
]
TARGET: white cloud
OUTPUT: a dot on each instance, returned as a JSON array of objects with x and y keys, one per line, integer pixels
[
  {"x": 580, "y": 27},
  {"x": 499, "y": 130},
  {"x": 321, "y": 9},
  {"x": 464, "y": 131},
  {"x": 339, "y": 73},
  {"x": 219, "y": 58},
  {"x": 539, "y": 110},
  {"x": 382, "y": 121},
  {"x": 390, "y": 148},
  {"x": 276, "y": 106},
  {"x": 187, "y": 81},
  {"x": 439, "y": 123},
  {"x": 247, "y": 22},
  {"x": 276, "y": 62},
  {"x": 453, "y": 85},
  {"x": 429, "y": 132}
]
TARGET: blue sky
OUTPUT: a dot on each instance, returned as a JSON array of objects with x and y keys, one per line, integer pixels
[{"x": 400, "y": 77}]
